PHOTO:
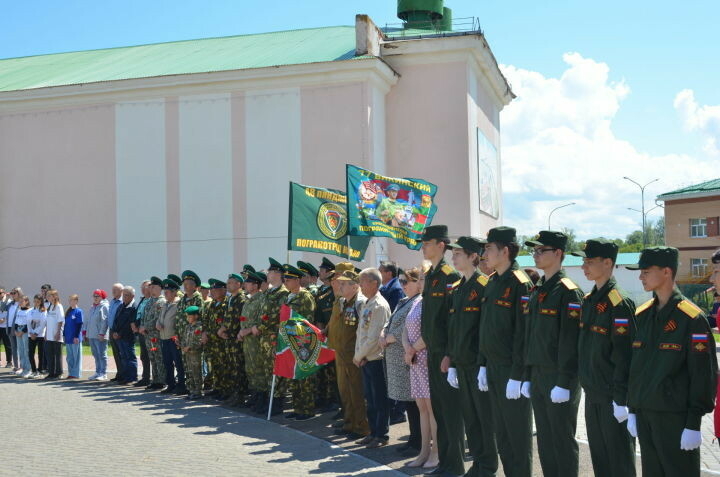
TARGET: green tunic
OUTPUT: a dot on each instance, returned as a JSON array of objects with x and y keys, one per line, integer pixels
[
  {"x": 433, "y": 324},
  {"x": 464, "y": 320}
]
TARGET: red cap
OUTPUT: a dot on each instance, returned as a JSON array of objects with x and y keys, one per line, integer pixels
[{"x": 101, "y": 293}]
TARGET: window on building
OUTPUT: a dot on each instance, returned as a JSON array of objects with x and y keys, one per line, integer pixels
[
  {"x": 699, "y": 267},
  {"x": 698, "y": 227}
]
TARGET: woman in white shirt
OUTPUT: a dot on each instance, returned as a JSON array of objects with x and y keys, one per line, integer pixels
[
  {"x": 53, "y": 335},
  {"x": 36, "y": 332},
  {"x": 21, "y": 335}
]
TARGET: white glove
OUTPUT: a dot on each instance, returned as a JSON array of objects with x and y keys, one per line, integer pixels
[
  {"x": 620, "y": 412},
  {"x": 632, "y": 425},
  {"x": 512, "y": 390},
  {"x": 452, "y": 378},
  {"x": 525, "y": 389},
  {"x": 690, "y": 440},
  {"x": 482, "y": 379},
  {"x": 559, "y": 395}
]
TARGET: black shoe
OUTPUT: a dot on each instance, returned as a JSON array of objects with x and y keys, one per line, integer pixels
[
  {"x": 398, "y": 420},
  {"x": 167, "y": 390},
  {"x": 277, "y": 406},
  {"x": 120, "y": 382},
  {"x": 113, "y": 380},
  {"x": 435, "y": 471},
  {"x": 342, "y": 432},
  {"x": 329, "y": 407},
  {"x": 180, "y": 389},
  {"x": 339, "y": 424},
  {"x": 261, "y": 405},
  {"x": 48, "y": 377},
  {"x": 195, "y": 397},
  {"x": 142, "y": 382},
  {"x": 155, "y": 386},
  {"x": 303, "y": 417},
  {"x": 291, "y": 415},
  {"x": 338, "y": 415},
  {"x": 212, "y": 393}
]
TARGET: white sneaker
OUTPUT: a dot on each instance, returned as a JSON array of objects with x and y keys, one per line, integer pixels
[
  {"x": 25, "y": 375},
  {"x": 102, "y": 378},
  {"x": 93, "y": 377},
  {"x": 18, "y": 372}
]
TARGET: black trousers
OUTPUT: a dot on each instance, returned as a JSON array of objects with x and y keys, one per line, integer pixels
[
  {"x": 5, "y": 339},
  {"x": 53, "y": 355},
  {"x": 116, "y": 357},
  {"x": 144, "y": 358},
  {"x": 39, "y": 345}
]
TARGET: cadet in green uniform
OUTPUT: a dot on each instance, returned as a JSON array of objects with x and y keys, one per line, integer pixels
[
  {"x": 502, "y": 347},
  {"x": 233, "y": 358},
  {"x": 463, "y": 323},
  {"x": 551, "y": 338},
  {"x": 191, "y": 344},
  {"x": 672, "y": 371},
  {"x": 302, "y": 302},
  {"x": 275, "y": 297},
  {"x": 248, "y": 334},
  {"x": 327, "y": 395},
  {"x": 191, "y": 297},
  {"x": 433, "y": 330},
  {"x": 153, "y": 309},
  {"x": 212, "y": 319},
  {"x": 606, "y": 332}
]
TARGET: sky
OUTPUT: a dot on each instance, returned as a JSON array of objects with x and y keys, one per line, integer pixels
[{"x": 605, "y": 89}]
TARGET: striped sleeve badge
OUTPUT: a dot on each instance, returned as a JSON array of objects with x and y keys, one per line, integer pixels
[
  {"x": 574, "y": 310},
  {"x": 525, "y": 301},
  {"x": 621, "y": 326},
  {"x": 699, "y": 342}
]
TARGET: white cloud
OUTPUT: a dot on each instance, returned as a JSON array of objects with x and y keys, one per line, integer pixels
[
  {"x": 558, "y": 147},
  {"x": 704, "y": 119}
]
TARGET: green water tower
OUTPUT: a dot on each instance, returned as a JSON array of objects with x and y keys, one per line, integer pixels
[{"x": 425, "y": 14}]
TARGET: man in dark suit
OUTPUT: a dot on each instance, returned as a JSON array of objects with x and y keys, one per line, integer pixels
[{"x": 124, "y": 336}]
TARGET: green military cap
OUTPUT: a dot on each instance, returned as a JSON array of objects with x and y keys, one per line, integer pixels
[
  {"x": 174, "y": 278},
  {"x": 342, "y": 267},
  {"x": 291, "y": 272},
  {"x": 549, "y": 238},
  {"x": 190, "y": 275},
  {"x": 275, "y": 265},
  {"x": 598, "y": 248},
  {"x": 236, "y": 276},
  {"x": 192, "y": 310},
  {"x": 470, "y": 244},
  {"x": 348, "y": 276},
  {"x": 657, "y": 256},
  {"x": 169, "y": 284},
  {"x": 501, "y": 234},
  {"x": 215, "y": 283},
  {"x": 248, "y": 268},
  {"x": 262, "y": 276},
  {"x": 206, "y": 285},
  {"x": 327, "y": 264},
  {"x": 307, "y": 268},
  {"x": 438, "y": 232},
  {"x": 156, "y": 281},
  {"x": 254, "y": 277}
]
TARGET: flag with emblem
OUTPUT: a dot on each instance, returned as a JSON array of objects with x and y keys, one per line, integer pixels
[
  {"x": 301, "y": 347},
  {"x": 318, "y": 223},
  {"x": 382, "y": 206}
]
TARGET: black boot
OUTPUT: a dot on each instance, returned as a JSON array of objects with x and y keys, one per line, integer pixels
[
  {"x": 261, "y": 404},
  {"x": 277, "y": 407}
]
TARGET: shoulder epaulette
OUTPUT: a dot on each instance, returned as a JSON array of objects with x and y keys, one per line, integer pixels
[
  {"x": 447, "y": 269},
  {"x": 521, "y": 276},
  {"x": 615, "y": 297},
  {"x": 456, "y": 284},
  {"x": 568, "y": 283},
  {"x": 587, "y": 295},
  {"x": 644, "y": 306},
  {"x": 689, "y": 308},
  {"x": 482, "y": 280}
]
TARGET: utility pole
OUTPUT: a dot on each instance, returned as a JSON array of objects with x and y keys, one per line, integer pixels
[
  {"x": 556, "y": 208},
  {"x": 642, "y": 200}
]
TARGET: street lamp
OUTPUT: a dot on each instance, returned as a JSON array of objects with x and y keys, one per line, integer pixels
[
  {"x": 642, "y": 199},
  {"x": 556, "y": 208}
]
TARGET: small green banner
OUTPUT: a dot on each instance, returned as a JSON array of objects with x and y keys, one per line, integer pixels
[
  {"x": 388, "y": 206},
  {"x": 318, "y": 223}
]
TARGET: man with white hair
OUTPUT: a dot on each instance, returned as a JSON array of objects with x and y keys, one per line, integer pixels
[{"x": 124, "y": 336}]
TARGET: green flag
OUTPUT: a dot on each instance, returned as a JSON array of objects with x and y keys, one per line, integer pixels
[
  {"x": 389, "y": 206},
  {"x": 318, "y": 223}
]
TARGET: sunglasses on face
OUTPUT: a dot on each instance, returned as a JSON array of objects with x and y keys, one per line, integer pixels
[{"x": 540, "y": 251}]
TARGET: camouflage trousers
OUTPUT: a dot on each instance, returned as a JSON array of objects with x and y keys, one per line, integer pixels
[
  {"x": 268, "y": 344},
  {"x": 213, "y": 358},
  {"x": 157, "y": 367},
  {"x": 303, "y": 395},
  {"x": 326, "y": 386},
  {"x": 228, "y": 379},
  {"x": 253, "y": 360},
  {"x": 193, "y": 371}
]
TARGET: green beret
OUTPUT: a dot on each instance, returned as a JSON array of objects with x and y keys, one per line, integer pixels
[
  {"x": 237, "y": 277},
  {"x": 307, "y": 268},
  {"x": 657, "y": 256},
  {"x": 156, "y": 281},
  {"x": 501, "y": 234},
  {"x": 291, "y": 272},
  {"x": 598, "y": 248},
  {"x": 192, "y": 310},
  {"x": 438, "y": 232},
  {"x": 169, "y": 284},
  {"x": 190, "y": 275},
  {"x": 327, "y": 264},
  {"x": 205, "y": 285},
  {"x": 470, "y": 244},
  {"x": 174, "y": 278},
  {"x": 275, "y": 265},
  {"x": 549, "y": 238}
]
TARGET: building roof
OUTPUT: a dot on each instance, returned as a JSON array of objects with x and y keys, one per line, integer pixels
[
  {"x": 711, "y": 187},
  {"x": 292, "y": 47},
  {"x": 526, "y": 261}
]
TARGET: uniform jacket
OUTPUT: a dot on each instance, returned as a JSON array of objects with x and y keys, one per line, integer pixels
[
  {"x": 166, "y": 318},
  {"x": 374, "y": 315},
  {"x": 463, "y": 320},
  {"x": 433, "y": 325},
  {"x": 343, "y": 326}
]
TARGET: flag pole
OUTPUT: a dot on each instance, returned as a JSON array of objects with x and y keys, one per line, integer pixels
[{"x": 272, "y": 394}]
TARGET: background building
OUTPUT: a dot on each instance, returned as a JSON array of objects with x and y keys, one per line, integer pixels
[
  {"x": 691, "y": 225},
  {"x": 126, "y": 162}
]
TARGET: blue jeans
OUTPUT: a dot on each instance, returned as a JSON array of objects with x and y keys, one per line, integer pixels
[
  {"x": 99, "y": 352},
  {"x": 24, "y": 353},
  {"x": 14, "y": 346},
  {"x": 129, "y": 361},
  {"x": 375, "y": 387},
  {"x": 74, "y": 358},
  {"x": 172, "y": 359}
]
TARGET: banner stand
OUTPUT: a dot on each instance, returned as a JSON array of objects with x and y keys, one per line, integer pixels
[{"x": 270, "y": 399}]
